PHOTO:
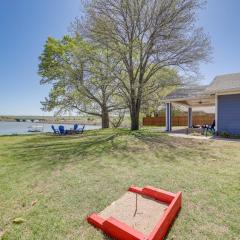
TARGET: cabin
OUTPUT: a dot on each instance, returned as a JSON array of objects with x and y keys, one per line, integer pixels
[{"x": 223, "y": 93}]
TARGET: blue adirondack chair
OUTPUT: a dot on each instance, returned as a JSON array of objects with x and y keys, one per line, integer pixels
[
  {"x": 56, "y": 131},
  {"x": 77, "y": 129},
  {"x": 62, "y": 130}
]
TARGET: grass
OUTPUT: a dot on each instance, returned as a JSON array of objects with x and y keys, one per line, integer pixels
[{"x": 53, "y": 183}]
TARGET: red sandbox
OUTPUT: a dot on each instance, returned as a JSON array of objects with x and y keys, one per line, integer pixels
[{"x": 113, "y": 227}]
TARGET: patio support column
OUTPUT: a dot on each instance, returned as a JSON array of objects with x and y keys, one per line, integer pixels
[
  {"x": 168, "y": 117},
  {"x": 216, "y": 112},
  {"x": 189, "y": 117}
]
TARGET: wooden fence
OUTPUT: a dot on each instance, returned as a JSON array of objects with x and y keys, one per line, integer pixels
[{"x": 179, "y": 120}]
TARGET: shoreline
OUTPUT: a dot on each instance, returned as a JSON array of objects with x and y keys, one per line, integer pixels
[
  {"x": 9, "y": 128},
  {"x": 54, "y": 122}
]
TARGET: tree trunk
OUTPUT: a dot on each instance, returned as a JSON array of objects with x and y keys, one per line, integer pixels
[
  {"x": 135, "y": 117},
  {"x": 105, "y": 118}
]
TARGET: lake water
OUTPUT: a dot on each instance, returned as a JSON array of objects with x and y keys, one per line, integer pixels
[{"x": 8, "y": 128}]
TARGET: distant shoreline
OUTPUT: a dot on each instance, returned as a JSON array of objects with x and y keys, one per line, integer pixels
[
  {"x": 81, "y": 120},
  {"x": 88, "y": 120},
  {"x": 13, "y": 127},
  {"x": 54, "y": 122}
]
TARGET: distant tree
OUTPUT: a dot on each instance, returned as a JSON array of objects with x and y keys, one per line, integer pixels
[
  {"x": 146, "y": 36},
  {"x": 81, "y": 78}
]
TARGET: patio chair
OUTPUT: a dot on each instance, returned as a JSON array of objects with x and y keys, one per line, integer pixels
[
  {"x": 209, "y": 128},
  {"x": 79, "y": 130},
  {"x": 75, "y": 127},
  {"x": 62, "y": 131},
  {"x": 56, "y": 131}
]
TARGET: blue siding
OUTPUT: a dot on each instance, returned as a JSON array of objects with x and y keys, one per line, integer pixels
[{"x": 229, "y": 113}]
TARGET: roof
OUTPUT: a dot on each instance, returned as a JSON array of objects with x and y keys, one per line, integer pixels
[
  {"x": 225, "y": 83},
  {"x": 187, "y": 92},
  {"x": 222, "y": 83}
]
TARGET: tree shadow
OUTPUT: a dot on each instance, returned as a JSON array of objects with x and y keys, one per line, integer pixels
[
  {"x": 50, "y": 151},
  {"x": 162, "y": 139}
]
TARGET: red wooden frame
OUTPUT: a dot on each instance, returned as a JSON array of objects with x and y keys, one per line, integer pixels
[{"x": 121, "y": 231}]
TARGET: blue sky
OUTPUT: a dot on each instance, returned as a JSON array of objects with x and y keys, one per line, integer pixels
[
  {"x": 221, "y": 19},
  {"x": 26, "y": 24}
]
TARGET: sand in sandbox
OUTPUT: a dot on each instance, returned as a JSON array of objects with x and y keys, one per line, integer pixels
[{"x": 148, "y": 214}]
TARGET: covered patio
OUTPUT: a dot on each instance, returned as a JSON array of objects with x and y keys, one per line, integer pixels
[
  {"x": 191, "y": 98},
  {"x": 222, "y": 95}
]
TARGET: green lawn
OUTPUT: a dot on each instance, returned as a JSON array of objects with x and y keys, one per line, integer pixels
[{"x": 53, "y": 183}]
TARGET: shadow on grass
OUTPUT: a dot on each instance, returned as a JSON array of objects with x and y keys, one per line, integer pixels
[
  {"x": 44, "y": 151},
  {"x": 161, "y": 139},
  {"x": 149, "y": 138}
]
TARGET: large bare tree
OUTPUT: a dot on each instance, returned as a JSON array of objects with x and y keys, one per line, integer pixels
[{"x": 147, "y": 36}]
